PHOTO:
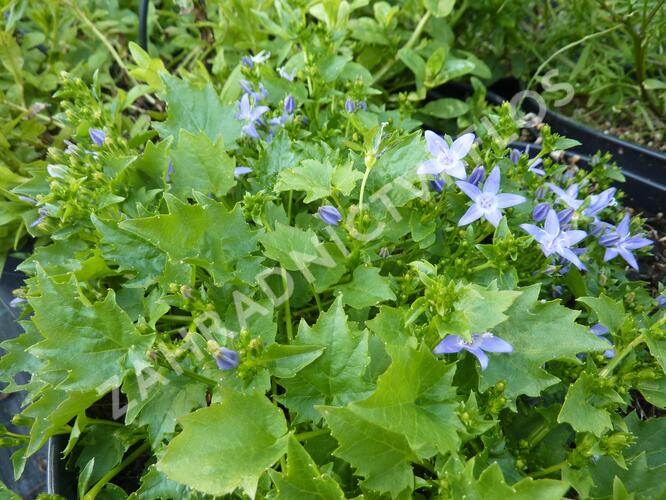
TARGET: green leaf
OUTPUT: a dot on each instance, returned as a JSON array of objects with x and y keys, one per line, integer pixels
[
  {"x": 278, "y": 155},
  {"x": 204, "y": 234},
  {"x": 367, "y": 30},
  {"x": 445, "y": 108},
  {"x": 8, "y": 494},
  {"x": 11, "y": 57},
  {"x": 435, "y": 63},
  {"x": 197, "y": 110},
  {"x": 157, "y": 399},
  {"x": 654, "y": 84},
  {"x": 394, "y": 176},
  {"x": 345, "y": 177},
  {"x": 130, "y": 253},
  {"x": 382, "y": 457},
  {"x": 16, "y": 359},
  {"x": 292, "y": 247},
  {"x": 539, "y": 332},
  {"x": 103, "y": 444},
  {"x": 303, "y": 478},
  {"x": 642, "y": 480},
  {"x": 565, "y": 143},
  {"x": 477, "y": 309},
  {"x": 416, "y": 399},
  {"x": 150, "y": 168},
  {"x": 581, "y": 406},
  {"x": 491, "y": 484},
  {"x": 155, "y": 485},
  {"x": 201, "y": 164},
  {"x": 454, "y": 68},
  {"x": 335, "y": 377},
  {"x": 52, "y": 410},
  {"x": 414, "y": 62},
  {"x": 87, "y": 347},
  {"x": 148, "y": 69},
  {"x": 654, "y": 391},
  {"x": 285, "y": 361},
  {"x": 610, "y": 313},
  {"x": 367, "y": 288},
  {"x": 227, "y": 445},
  {"x": 440, "y": 8},
  {"x": 312, "y": 176},
  {"x": 389, "y": 326},
  {"x": 657, "y": 346}
]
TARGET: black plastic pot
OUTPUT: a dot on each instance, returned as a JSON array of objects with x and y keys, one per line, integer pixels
[
  {"x": 32, "y": 481},
  {"x": 644, "y": 168},
  {"x": 59, "y": 480}
]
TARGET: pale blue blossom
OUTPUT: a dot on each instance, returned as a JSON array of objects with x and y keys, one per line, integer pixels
[
  {"x": 597, "y": 202},
  {"x": 618, "y": 241},
  {"x": 553, "y": 240},
  {"x": 569, "y": 196},
  {"x": 241, "y": 170},
  {"x": 259, "y": 58},
  {"x": 488, "y": 203},
  {"x": 478, "y": 346},
  {"x": 250, "y": 115},
  {"x": 286, "y": 75},
  {"x": 446, "y": 159}
]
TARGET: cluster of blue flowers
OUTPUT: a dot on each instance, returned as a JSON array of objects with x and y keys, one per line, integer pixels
[
  {"x": 351, "y": 105},
  {"x": 556, "y": 237},
  {"x": 249, "y": 109}
]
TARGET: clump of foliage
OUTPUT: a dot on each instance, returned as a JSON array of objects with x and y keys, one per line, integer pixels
[
  {"x": 601, "y": 61},
  {"x": 284, "y": 287}
]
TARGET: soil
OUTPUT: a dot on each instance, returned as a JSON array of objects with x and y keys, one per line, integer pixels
[
  {"x": 626, "y": 126},
  {"x": 653, "y": 268}
]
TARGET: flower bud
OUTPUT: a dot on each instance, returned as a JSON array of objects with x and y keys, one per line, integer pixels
[
  {"x": 540, "y": 211},
  {"x": 565, "y": 215},
  {"x": 350, "y": 106},
  {"x": 330, "y": 215},
  {"x": 289, "y": 104},
  {"x": 477, "y": 175}
]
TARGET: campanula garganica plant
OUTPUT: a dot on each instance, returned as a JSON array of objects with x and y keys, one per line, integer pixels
[{"x": 286, "y": 288}]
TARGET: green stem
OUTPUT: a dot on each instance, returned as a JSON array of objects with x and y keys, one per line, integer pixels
[
  {"x": 200, "y": 378},
  {"x": 304, "y": 436},
  {"x": 483, "y": 266},
  {"x": 94, "y": 491},
  {"x": 548, "y": 470},
  {"x": 23, "y": 437},
  {"x": 363, "y": 182},
  {"x": 289, "y": 207},
  {"x": 28, "y": 112},
  {"x": 567, "y": 47},
  {"x": 639, "y": 63},
  {"x": 619, "y": 356},
  {"x": 317, "y": 299},
  {"x": 412, "y": 40},
  {"x": 459, "y": 11},
  {"x": 287, "y": 307},
  {"x": 102, "y": 421},
  {"x": 178, "y": 318}
]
